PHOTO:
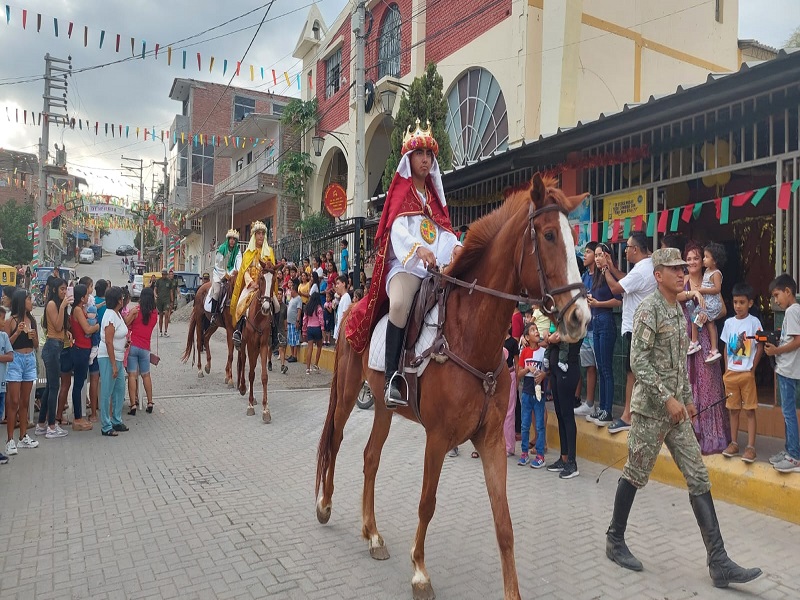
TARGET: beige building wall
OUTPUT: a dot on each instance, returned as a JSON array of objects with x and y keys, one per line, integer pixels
[{"x": 561, "y": 61}]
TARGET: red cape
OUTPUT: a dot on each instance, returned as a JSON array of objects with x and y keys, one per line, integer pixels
[{"x": 401, "y": 201}]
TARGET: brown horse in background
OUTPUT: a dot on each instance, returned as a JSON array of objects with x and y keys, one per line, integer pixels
[
  {"x": 256, "y": 341},
  {"x": 526, "y": 244},
  {"x": 200, "y": 334}
]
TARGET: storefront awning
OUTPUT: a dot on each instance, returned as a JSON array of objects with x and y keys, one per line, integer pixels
[{"x": 80, "y": 235}]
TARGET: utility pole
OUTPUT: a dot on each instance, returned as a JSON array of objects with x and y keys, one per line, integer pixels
[
  {"x": 164, "y": 213},
  {"x": 55, "y": 78},
  {"x": 359, "y": 193},
  {"x": 132, "y": 173}
]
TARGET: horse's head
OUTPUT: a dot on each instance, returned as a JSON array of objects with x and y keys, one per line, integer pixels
[
  {"x": 548, "y": 262},
  {"x": 265, "y": 292}
]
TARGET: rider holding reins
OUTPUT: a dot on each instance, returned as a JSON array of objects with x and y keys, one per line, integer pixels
[{"x": 414, "y": 233}]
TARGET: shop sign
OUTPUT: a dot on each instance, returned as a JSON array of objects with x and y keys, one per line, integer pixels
[
  {"x": 632, "y": 203},
  {"x": 335, "y": 199}
]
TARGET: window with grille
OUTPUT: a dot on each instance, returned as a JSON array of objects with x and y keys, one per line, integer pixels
[
  {"x": 476, "y": 122},
  {"x": 242, "y": 107},
  {"x": 389, "y": 44},
  {"x": 333, "y": 66}
]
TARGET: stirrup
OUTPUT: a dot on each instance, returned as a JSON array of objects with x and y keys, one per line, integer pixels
[{"x": 392, "y": 403}]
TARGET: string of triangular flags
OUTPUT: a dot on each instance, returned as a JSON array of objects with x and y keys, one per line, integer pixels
[
  {"x": 669, "y": 219},
  {"x": 182, "y": 57},
  {"x": 117, "y": 130}
]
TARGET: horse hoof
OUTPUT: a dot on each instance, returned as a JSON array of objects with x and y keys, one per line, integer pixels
[
  {"x": 266, "y": 417},
  {"x": 208, "y": 368},
  {"x": 242, "y": 391},
  {"x": 323, "y": 513},
  {"x": 230, "y": 385},
  {"x": 251, "y": 411},
  {"x": 379, "y": 552},
  {"x": 422, "y": 591},
  {"x": 200, "y": 375}
]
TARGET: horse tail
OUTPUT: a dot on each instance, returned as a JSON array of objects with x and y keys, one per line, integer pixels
[
  {"x": 190, "y": 339},
  {"x": 326, "y": 437}
]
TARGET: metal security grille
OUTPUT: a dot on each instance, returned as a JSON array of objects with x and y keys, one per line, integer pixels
[
  {"x": 389, "y": 44},
  {"x": 333, "y": 67}
]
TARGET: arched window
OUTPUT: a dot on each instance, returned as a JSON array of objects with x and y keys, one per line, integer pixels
[
  {"x": 389, "y": 44},
  {"x": 476, "y": 122}
]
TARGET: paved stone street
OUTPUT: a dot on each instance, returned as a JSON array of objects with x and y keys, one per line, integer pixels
[{"x": 200, "y": 501}]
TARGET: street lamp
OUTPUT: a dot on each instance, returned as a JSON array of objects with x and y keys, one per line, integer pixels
[
  {"x": 389, "y": 96},
  {"x": 318, "y": 142}
]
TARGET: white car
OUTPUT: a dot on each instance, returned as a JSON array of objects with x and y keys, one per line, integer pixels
[
  {"x": 86, "y": 256},
  {"x": 136, "y": 287}
]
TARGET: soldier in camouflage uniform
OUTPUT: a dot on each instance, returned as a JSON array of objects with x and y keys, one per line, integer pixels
[{"x": 662, "y": 408}]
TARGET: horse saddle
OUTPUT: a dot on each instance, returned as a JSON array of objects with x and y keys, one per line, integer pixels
[{"x": 423, "y": 337}]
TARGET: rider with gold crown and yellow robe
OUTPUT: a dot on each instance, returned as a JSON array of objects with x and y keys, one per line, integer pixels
[
  {"x": 414, "y": 233},
  {"x": 227, "y": 263},
  {"x": 257, "y": 257}
]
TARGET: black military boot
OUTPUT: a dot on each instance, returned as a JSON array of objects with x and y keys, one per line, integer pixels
[
  {"x": 721, "y": 568},
  {"x": 214, "y": 311},
  {"x": 616, "y": 548},
  {"x": 394, "y": 346}
]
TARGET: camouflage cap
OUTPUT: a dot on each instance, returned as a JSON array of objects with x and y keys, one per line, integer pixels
[{"x": 668, "y": 257}]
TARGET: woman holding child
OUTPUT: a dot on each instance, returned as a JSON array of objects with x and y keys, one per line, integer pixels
[{"x": 712, "y": 426}]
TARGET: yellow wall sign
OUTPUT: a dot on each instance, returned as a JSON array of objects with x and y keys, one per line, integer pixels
[{"x": 632, "y": 203}]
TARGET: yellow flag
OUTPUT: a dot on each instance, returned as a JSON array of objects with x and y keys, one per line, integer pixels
[
  {"x": 226, "y": 141},
  {"x": 169, "y": 55},
  {"x": 286, "y": 75},
  {"x": 251, "y": 73},
  {"x": 211, "y": 65}
]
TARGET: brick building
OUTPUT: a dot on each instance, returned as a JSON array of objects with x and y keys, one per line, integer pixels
[
  {"x": 19, "y": 176},
  {"x": 218, "y": 184},
  {"x": 512, "y": 69}
]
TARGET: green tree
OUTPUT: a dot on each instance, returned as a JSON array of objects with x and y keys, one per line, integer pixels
[
  {"x": 794, "y": 40},
  {"x": 14, "y": 221},
  {"x": 295, "y": 166},
  {"x": 424, "y": 101}
]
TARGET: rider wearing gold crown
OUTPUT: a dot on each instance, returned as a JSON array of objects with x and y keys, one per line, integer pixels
[
  {"x": 227, "y": 263},
  {"x": 414, "y": 233},
  {"x": 257, "y": 257}
]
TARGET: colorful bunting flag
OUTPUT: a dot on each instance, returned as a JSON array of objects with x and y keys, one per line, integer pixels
[
  {"x": 726, "y": 204},
  {"x": 784, "y": 196},
  {"x": 675, "y": 218}
]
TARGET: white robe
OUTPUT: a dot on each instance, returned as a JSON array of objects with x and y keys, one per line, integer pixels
[{"x": 405, "y": 238}]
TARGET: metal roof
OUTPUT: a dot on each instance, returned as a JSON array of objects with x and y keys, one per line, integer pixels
[{"x": 551, "y": 148}]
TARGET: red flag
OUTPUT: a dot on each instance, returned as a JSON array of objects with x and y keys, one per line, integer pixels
[
  {"x": 662, "y": 221},
  {"x": 310, "y": 82},
  {"x": 594, "y": 232},
  {"x": 718, "y": 207},
  {"x": 24, "y": 18},
  {"x": 742, "y": 199},
  {"x": 198, "y": 61},
  {"x": 157, "y": 47},
  {"x": 85, "y": 36},
  {"x": 38, "y": 22},
  {"x": 238, "y": 66},
  {"x": 274, "y": 77},
  {"x": 615, "y": 229},
  {"x": 117, "y": 42},
  {"x": 785, "y": 195},
  {"x": 637, "y": 223},
  {"x": 69, "y": 30},
  {"x": 686, "y": 213}
]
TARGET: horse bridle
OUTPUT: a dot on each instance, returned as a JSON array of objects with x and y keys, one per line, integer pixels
[{"x": 547, "y": 301}]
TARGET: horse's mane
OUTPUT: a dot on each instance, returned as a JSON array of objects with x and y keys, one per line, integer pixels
[{"x": 486, "y": 229}]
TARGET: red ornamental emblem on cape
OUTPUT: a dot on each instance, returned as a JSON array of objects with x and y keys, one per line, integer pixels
[{"x": 401, "y": 201}]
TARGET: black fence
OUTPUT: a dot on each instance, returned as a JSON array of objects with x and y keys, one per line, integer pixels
[{"x": 320, "y": 241}]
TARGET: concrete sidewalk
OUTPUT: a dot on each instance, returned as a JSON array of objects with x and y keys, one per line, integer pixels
[{"x": 756, "y": 486}]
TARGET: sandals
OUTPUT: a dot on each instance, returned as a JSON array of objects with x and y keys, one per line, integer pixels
[
  {"x": 110, "y": 433},
  {"x": 132, "y": 411},
  {"x": 149, "y": 408},
  {"x": 694, "y": 347},
  {"x": 284, "y": 369},
  {"x": 713, "y": 356}
]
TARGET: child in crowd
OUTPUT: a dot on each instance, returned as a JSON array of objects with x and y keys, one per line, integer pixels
[
  {"x": 358, "y": 294},
  {"x": 6, "y": 356},
  {"x": 743, "y": 355},
  {"x": 711, "y": 288},
  {"x": 787, "y": 366},
  {"x": 531, "y": 371},
  {"x": 294, "y": 320},
  {"x": 280, "y": 325},
  {"x": 329, "y": 317}
]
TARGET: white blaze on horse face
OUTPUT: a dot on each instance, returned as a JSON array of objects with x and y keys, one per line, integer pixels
[
  {"x": 581, "y": 306},
  {"x": 265, "y": 303}
]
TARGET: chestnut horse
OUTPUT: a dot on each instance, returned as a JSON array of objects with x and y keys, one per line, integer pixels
[
  {"x": 525, "y": 245},
  {"x": 199, "y": 335},
  {"x": 256, "y": 341}
]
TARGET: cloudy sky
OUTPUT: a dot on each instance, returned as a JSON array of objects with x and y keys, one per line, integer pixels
[{"x": 135, "y": 92}]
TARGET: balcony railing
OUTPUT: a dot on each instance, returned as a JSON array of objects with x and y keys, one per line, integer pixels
[{"x": 247, "y": 178}]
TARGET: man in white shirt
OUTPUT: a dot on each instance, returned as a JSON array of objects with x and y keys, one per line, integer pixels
[
  {"x": 634, "y": 287},
  {"x": 344, "y": 302}
]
